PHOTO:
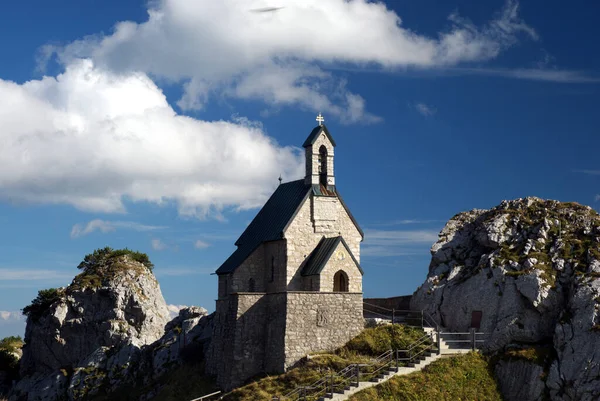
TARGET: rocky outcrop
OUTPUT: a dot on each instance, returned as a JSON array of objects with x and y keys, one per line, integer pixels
[
  {"x": 521, "y": 380},
  {"x": 532, "y": 268},
  {"x": 106, "y": 330},
  {"x": 125, "y": 307}
]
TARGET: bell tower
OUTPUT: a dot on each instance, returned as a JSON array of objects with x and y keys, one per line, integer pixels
[{"x": 319, "y": 147}]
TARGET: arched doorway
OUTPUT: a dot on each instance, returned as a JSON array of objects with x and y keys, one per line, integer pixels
[{"x": 340, "y": 281}]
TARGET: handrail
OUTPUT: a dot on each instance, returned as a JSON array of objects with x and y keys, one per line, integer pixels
[
  {"x": 204, "y": 397},
  {"x": 353, "y": 373}
]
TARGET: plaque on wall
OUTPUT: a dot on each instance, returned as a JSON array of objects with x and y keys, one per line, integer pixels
[{"x": 323, "y": 317}]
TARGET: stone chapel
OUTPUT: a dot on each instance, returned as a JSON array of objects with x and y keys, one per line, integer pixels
[{"x": 294, "y": 284}]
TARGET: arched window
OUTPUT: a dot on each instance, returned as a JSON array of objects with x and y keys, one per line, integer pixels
[
  {"x": 251, "y": 285},
  {"x": 340, "y": 281},
  {"x": 323, "y": 164}
]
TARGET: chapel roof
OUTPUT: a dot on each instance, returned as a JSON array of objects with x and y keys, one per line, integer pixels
[
  {"x": 272, "y": 220},
  {"x": 269, "y": 223},
  {"x": 322, "y": 253},
  {"x": 314, "y": 134}
]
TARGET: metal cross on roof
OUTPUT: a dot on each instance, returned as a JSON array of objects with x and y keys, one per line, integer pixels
[{"x": 320, "y": 119}]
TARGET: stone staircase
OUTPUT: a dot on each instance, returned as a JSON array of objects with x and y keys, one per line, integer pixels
[
  {"x": 447, "y": 347},
  {"x": 446, "y": 350},
  {"x": 433, "y": 345},
  {"x": 383, "y": 377}
]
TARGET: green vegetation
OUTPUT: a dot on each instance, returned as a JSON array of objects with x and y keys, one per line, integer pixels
[
  {"x": 42, "y": 302},
  {"x": 12, "y": 344},
  {"x": 104, "y": 256},
  {"x": 10, "y": 347},
  {"x": 103, "y": 263},
  {"x": 565, "y": 234},
  {"x": 467, "y": 377},
  {"x": 375, "y": 341},
  {"x": 539, "y": 355},
  {"x": 369, "y": 343}
]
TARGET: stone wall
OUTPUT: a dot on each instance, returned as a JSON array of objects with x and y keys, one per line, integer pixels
[
  {"x": 257, "y": 333},
  {"x": 318, "y": 321},
  {"x": 302, "y": 238},
  {"x": 340, "y": 260},
  {"x": 237, "y": 350},
  {"x": 275, "y": 253},
  {"x": 253, "y": 267},
  {"x": 312, "y": 161}
]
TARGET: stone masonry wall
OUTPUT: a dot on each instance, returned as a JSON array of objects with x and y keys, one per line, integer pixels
[
  {"x": 220, "y": 356},
  {"x": 341, "y": 260},
  {"x": 253, "y": 267},
  {"x": 275, "y": 333},
  {"x": 248, "y": 338},
  {"x": 237, "y": 350},
  {"x": 249, "y": 341},
  {"x": 312, "y": 161},
  {"x": 275, "y": 253},
  {"x": 318, "y": 321},
  {"x": 302, "y": 239}
]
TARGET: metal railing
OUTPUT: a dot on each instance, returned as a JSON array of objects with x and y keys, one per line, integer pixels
[
  {"x": 207, "y": 396},
  {"x": 463, "y": 340},
  {"x": 408, "y": 317},
  {"x": 355, "y": 373}
]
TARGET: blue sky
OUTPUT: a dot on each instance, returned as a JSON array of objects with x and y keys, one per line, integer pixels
[{"x": 164, "y": 126}]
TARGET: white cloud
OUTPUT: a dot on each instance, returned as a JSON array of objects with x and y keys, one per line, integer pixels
[
  {"x": 102, "y": 132},
  {"x": 8, "y": 316},
  {"x": 597, "y": 198},
  {"x": 32, "y": 274},
  {"x": 91, "y": 138},
  {"x": 158, "y": 245},
  {"x": 533, "y": 74},
  {"x": 588, "y": 172},
  {"x": 105, "y": 226},
  {"x": 174, "y": 310},
  {"x": 425, "y": 110},
  {"x": 223, "y": 49},
  {"x": 199, "y": 244},
  {"x": 397, "y": 242},
  {"x": 183, "y": 271},
  {"x": 407, "y": 221}
]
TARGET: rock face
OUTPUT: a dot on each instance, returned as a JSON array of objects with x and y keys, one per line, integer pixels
[
  {"x": 106, "y": 332},
  {"x": 127, "y": 307},
  {"x": 532, "y": 268}
]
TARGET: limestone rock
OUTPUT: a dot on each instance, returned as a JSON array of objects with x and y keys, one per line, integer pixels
[
  {"x": 127, "y": 307},
  {"x": 521, "y": 380},
  {"x": 531, "y": 266},
  {"x": 105, "y": 333}
]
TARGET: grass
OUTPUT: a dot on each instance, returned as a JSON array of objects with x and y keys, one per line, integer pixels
[
  {"x": 183, "y": 383},
  {"x": 369, "y": 343},
  {"x": 461, "y": 378},
  {"x": 104, "y": 263},
  {"x": 536, "y": 354}
]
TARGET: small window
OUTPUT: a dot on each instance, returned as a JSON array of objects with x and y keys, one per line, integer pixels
[
  {"x": 272, "y": 269},
  {"x": 251, "y": 285}
]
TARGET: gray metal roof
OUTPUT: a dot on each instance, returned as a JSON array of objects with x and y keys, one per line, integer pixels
[
  {"x": 321, "y": 254},
  {"x": 314, "y": 134},
  {"x": 269, "y": 223}
]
